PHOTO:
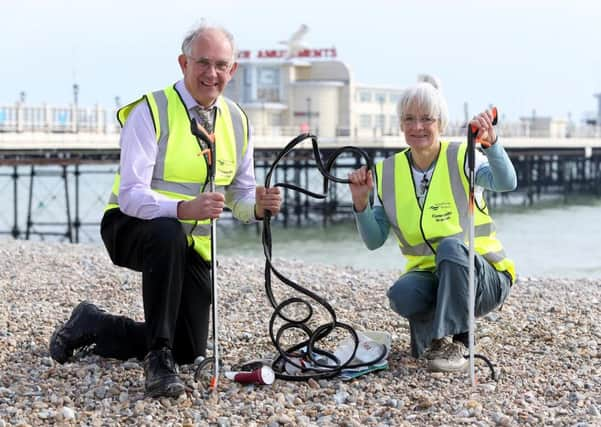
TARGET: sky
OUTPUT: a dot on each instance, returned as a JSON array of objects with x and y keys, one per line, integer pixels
[{"x": 525, "y": 57}]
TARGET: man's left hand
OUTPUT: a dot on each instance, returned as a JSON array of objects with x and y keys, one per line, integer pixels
[{"x": 267, "y": 199}]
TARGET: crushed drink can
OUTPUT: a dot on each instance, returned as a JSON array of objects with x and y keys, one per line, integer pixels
[{"x": 262, "y": 375}]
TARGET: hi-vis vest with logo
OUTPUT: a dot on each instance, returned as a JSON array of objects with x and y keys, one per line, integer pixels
[
  {"x": 444, "y": 214},
  {"x": 180, "y": 171}
]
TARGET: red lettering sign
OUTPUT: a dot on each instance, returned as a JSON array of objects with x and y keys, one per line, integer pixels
[
  {"x": 282, "y": 53},
  {"x": 271, "y": 53}
]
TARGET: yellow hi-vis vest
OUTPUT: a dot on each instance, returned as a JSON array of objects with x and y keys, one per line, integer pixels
[
  {"x": 180, "y": 171},
  {"x": 444, "y": 214}
]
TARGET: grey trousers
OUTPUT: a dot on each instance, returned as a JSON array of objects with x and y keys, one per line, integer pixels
[{"x": 436, "y": 303}]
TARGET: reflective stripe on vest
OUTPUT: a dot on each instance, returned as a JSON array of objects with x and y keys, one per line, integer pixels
[
  {"x": 162, "y": 135},
  {"x": 239, "y": 133}
]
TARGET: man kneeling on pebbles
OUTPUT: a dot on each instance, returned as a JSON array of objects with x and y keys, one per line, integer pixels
[{"x": 158, "y": 217}]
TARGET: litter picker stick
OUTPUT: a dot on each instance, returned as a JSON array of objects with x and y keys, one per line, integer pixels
[
  {"x": 208, "y": 140},
  {"x": 472, "y": 131}
]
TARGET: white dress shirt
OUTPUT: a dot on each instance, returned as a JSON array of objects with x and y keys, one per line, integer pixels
[{"x": 138, "y": 156}]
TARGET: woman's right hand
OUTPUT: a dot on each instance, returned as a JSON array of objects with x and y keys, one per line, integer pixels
[{"x": 361, "y": 184}]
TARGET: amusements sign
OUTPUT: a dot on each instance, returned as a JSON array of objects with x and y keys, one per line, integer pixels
[{"x": 283, "y": 53}]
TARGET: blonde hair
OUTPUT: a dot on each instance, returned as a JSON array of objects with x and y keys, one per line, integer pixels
[{"x": 425, "y": 96}]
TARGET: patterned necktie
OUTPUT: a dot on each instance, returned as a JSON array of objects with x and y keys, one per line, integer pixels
[{"x": 204, "y": 118}]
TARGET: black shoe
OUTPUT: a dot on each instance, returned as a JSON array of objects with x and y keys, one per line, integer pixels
[
  {"x": 79, "y": 331},
  {"x": 161, "y": 375}
]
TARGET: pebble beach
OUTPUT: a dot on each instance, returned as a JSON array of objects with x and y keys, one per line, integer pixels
[{"x": 545, "y": 344}]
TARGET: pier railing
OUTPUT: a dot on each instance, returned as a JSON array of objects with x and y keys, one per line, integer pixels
[
  {"x": 56, "y": 164},
  {"x": 22, "y": 118},
  {"x": 51, "y": 119},
  {"x": 62, "y": 193}
]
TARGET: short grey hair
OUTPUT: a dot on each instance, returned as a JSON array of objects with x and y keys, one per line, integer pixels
[
  {"x": 203, "y": 27},
  {"x": 425, "y": 95}
]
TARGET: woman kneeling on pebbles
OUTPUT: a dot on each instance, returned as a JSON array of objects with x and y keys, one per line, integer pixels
[{"x": 423, "y": 196}]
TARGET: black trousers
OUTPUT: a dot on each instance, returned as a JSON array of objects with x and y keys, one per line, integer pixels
[{"x": 175, "y": 289}]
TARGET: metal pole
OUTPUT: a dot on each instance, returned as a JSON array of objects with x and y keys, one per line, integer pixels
[
  {"x": 77, "y": 223},
  {"x": 203, "y": 138},
  {"x": 215, "y": 378},
  {"x": 69, "y": 234},
  {"x": 471, "y": 292},
  {"x": 76, "y": 105},
  {"x": 30, "y": 201},
  {"x": 306, "y": 167},
  {"x": 472, "y": 132},
  {"x": 15, "y": 231}
]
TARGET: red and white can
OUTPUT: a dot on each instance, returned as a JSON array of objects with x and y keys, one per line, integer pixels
[{"x": 262, "y": 375}]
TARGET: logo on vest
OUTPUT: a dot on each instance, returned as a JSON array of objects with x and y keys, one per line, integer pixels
[
  {"x": 441, "y": 211},
  {"x": 225, "y": 168}
]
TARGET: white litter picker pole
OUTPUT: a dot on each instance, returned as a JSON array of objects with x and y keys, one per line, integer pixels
[
  {"x": 471, "y": 160},
  {"x": 472, "y": 132},
  {"x": 215, "y": 378},
  {"x": 207, "y": 145}
]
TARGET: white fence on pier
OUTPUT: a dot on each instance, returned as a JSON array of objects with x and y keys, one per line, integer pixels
[{"x": 51, "y": 125}]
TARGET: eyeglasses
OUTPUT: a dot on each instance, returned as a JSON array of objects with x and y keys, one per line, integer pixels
[
  {"x": 412, "y": 121},
  {"x": 205, "y": 64}
]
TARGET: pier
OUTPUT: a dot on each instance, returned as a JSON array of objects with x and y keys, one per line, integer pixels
[{"x": 56, "y": 176}]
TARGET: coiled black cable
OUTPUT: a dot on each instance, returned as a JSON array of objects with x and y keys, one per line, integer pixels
[
  {"x": 328, "y": 365},
  {"x": 308, "y": 349}
]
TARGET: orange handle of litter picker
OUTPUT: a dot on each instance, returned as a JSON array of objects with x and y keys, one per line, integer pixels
[{"x": 207, "y": 152}]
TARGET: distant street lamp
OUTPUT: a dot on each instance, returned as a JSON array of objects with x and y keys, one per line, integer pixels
[
  {"x": 22, "y": 97},
  {"x": 75, "y": 94},
  {"x": 75, "y": 103}
]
